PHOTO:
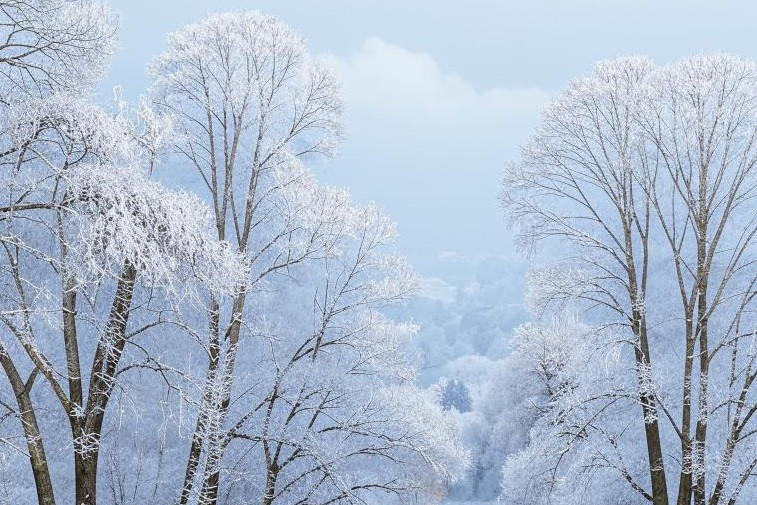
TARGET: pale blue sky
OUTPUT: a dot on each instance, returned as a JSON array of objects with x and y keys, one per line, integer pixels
[{"x": 441, "y": 93}]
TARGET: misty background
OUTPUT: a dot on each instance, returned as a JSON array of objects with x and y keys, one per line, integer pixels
[{"x": 439, "y": 96}]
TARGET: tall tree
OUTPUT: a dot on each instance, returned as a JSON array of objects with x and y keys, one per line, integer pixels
[
  {"x": 115, "y": 290},
  {"x": 648, "y": 173},
  {"x": 301, "y": 399},
  {"x": 87, "y": 240},
  {"x": 249, "y": 103},
  {"x": 577, "y": 182}
]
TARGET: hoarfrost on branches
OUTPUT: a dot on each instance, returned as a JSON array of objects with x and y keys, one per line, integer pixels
[{"x": 646, "y": 176}]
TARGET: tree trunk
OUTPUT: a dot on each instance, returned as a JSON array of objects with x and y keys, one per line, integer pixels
[
  {"x": 651, "y": 429},
  {"x": 211, "y": 479},
  {"x": 87, "y": 429},
  {"x": 685, "y": 481},
  {"x": 643, "y": 359},
  {"x": 37, "y": 457},
  {"x": 704, "y": 372},
  {"x": 701, "y": 286},
  {"x": 201, "y": 426},
  {"x": 270, "y": 486},
  {"x": 85, "y": 468}
]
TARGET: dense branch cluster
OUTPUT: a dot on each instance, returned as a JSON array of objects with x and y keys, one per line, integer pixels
[
  {"x": 160, "y": 349},
  {"x": 645, "y": 177}
]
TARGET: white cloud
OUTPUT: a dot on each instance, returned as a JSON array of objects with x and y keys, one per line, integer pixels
[
  {"x": 428, "y": 147},
  {"x": 382, "y": 78}
]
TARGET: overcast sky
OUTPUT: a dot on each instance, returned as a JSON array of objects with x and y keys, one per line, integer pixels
[{"x": 441, "y": 93}]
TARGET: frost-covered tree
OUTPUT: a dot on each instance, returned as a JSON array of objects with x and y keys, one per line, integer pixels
[
  {"x": 156, "y": 349},
  {"x": 647, "y": 174},
  {"x": 700, "y": 117},
  {"x": 454, "y": 395},
  {"x": 91, "y": 248},
  {"x": 248, "y": 103},
  {"x": 576, "y": 182},
  {"x": 299, "y": 399},
  {"x": 329, "y": 419},
  {"x": 575, "y": 422},
  {"x": 514, "y": 396},
  {"x": 50, "y": 45}
]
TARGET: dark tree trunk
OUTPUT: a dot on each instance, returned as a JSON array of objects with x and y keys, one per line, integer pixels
[
  {"x": 37, "y": 457},
  {"x": 87, "y": 429},
  {"x": 85, "y": 467}
]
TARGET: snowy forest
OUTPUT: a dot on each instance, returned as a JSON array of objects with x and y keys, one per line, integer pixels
[{"x": 189, "y": 315}]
